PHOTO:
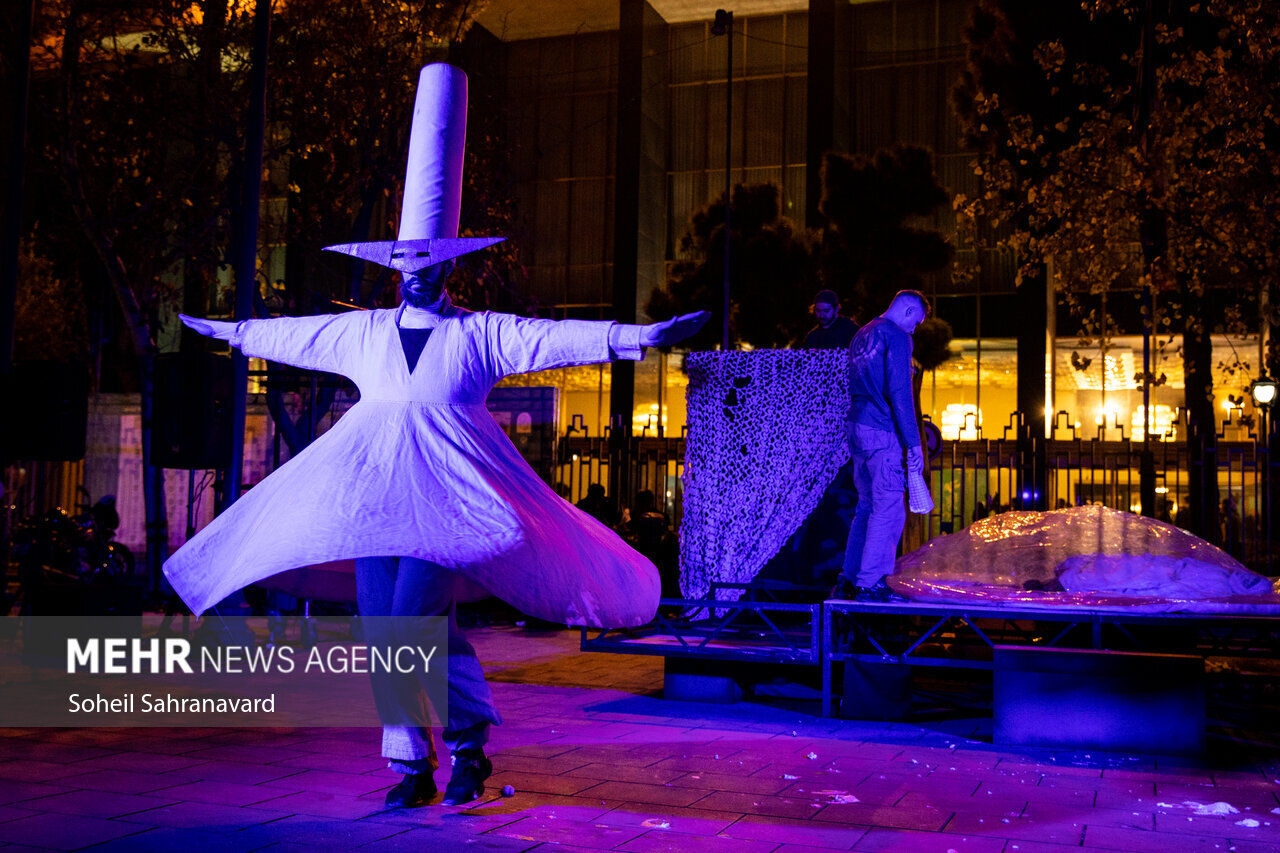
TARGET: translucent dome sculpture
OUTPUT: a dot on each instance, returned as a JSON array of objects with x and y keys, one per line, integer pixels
[{"x": 1089, "y": 556}]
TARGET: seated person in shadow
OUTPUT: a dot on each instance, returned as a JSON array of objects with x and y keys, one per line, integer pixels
[
  {"x": 646, "y": 529},
  {"x": 596, "y": 504}
]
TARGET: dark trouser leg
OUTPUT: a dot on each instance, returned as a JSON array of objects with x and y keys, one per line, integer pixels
[
  {"x": 883, "y": 528},
  {"x": 406, "y": 588},
  {"x": 861, "y": 514}
]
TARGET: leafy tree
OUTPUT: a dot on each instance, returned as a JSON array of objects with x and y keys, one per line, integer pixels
[
  {"x": 39, "y": 333},
  {"x": 343, "y": 78},
  {"x": 873, "y": 247},
  {"x": 773, "y": 275},
  {"x": 1132, "y": 151},
  {"x": 131, "y": 137},
  {"x": 137, "y": 133},
  {"x": 932, "y": 343},
  {"x": 873, "y": 206}
]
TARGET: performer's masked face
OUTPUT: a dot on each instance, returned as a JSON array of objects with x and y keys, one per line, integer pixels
[{"x": 424, "y": 289}]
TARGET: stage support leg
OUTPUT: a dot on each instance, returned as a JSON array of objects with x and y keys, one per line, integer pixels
[
  {"x": 689, "y": 680},
  {"x": 876, "y": 691}
]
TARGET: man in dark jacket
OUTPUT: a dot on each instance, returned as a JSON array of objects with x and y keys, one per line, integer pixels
[
  {"x": 833, "y": 331},
  {"x": 881, "y": 427}
]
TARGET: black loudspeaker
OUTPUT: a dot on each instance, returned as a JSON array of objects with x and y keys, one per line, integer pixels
[
  {"x": 50, "y": 411},
  {"x": 191, "y": 421}
]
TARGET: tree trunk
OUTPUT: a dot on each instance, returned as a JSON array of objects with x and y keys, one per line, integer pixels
[
  {"x": 1197, "y": 357},
  {"x": 153, "y": 493},
  {"x": 1033, "y": 299},
  {"x": 97, "y": 235}
]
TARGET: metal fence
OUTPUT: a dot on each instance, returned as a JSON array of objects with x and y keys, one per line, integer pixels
[
  {"x": 976, "y": 477},
  {"x": 625, "y": 465},
  {"x": 971, "y": 477}
]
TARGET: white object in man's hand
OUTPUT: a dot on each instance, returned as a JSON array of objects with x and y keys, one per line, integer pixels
[
  {"x": 673, "y": 331},
  {"x": 220, "y": 329},
  {"x": 919, "y": 496},
  {"x": 915, "y": 461}
]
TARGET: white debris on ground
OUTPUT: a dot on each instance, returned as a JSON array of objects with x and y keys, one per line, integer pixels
[{"x": 1204, "y": 809}]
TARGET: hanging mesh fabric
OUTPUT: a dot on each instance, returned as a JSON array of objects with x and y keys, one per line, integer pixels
[{"x": 766, "y": 438}]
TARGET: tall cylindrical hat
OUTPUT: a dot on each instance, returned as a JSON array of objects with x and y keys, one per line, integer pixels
[
  {"x": 437, "y": 148},
  {"x": 432, "y": 203}
]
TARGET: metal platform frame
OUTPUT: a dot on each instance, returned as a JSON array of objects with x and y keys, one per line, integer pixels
[
  {"x": 917, "y": 633},
  {"x": 957, "y": 635},
  {"x": 720, "y": 630}
]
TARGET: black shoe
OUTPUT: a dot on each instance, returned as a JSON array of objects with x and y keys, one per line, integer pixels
[
  {"x": 843, "y": 590},
  {"x": 470, "y": 769},
  {"x": 881, "y": 593},
  {"x": 414, "y": 790}
]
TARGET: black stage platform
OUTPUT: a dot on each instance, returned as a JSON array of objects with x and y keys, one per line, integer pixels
[
  {"x": 959, "y": 635},
  {"x": 1062, "y": 643}
]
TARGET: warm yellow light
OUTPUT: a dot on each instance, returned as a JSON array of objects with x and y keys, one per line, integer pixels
[
  {"x": 960, "y": 420},
  {"x": 1161, "y": 417}
]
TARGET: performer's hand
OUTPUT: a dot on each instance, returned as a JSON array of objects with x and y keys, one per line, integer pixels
[
  {"x": 220, "y": 329},
  {"x": 915, "y": 460},
  {"x": 674, "y": 330}
]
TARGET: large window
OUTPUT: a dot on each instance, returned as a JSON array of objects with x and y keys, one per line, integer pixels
[{"x": 1095, "y": 394}]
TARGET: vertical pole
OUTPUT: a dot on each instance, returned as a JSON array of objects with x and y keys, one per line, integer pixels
[
  {"x": 1033, "y": 310},
  {"x": 626, "y": 243},
  {"x": 977, "y": 360},
  {"x": 1152, "y": 246},
  {"x": 728, "y": 173},
  {"x": 246, "y": 262},
  {"x": 1102, "y": 364},
  {"x": 820, "y": 105},
  {"x": 1147, "y": 461},
  {"x": 1270, "y": 484}
]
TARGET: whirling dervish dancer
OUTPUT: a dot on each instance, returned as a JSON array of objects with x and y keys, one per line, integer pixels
[{"x": 416, "y": 482}]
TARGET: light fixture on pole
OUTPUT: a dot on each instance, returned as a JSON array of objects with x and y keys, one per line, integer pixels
[
  {"x": 1263, "y": 390},
  {"x": 723, "y": 26}
]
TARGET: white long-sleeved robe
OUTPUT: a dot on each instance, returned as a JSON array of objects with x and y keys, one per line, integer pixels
[{"x": 418, "y": 467}]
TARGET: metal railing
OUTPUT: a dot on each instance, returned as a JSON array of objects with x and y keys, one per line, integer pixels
[
  {"x": 625, "y": 464},
  {"x": 976, "y": 477}
]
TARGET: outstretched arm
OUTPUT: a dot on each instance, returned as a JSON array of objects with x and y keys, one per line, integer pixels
[
  {"x": 522, "y": 345},
  {"x": 314, "y": 343}
]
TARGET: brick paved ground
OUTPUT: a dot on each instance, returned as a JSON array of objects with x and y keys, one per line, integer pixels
[{"x": 600, "y": 762}]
